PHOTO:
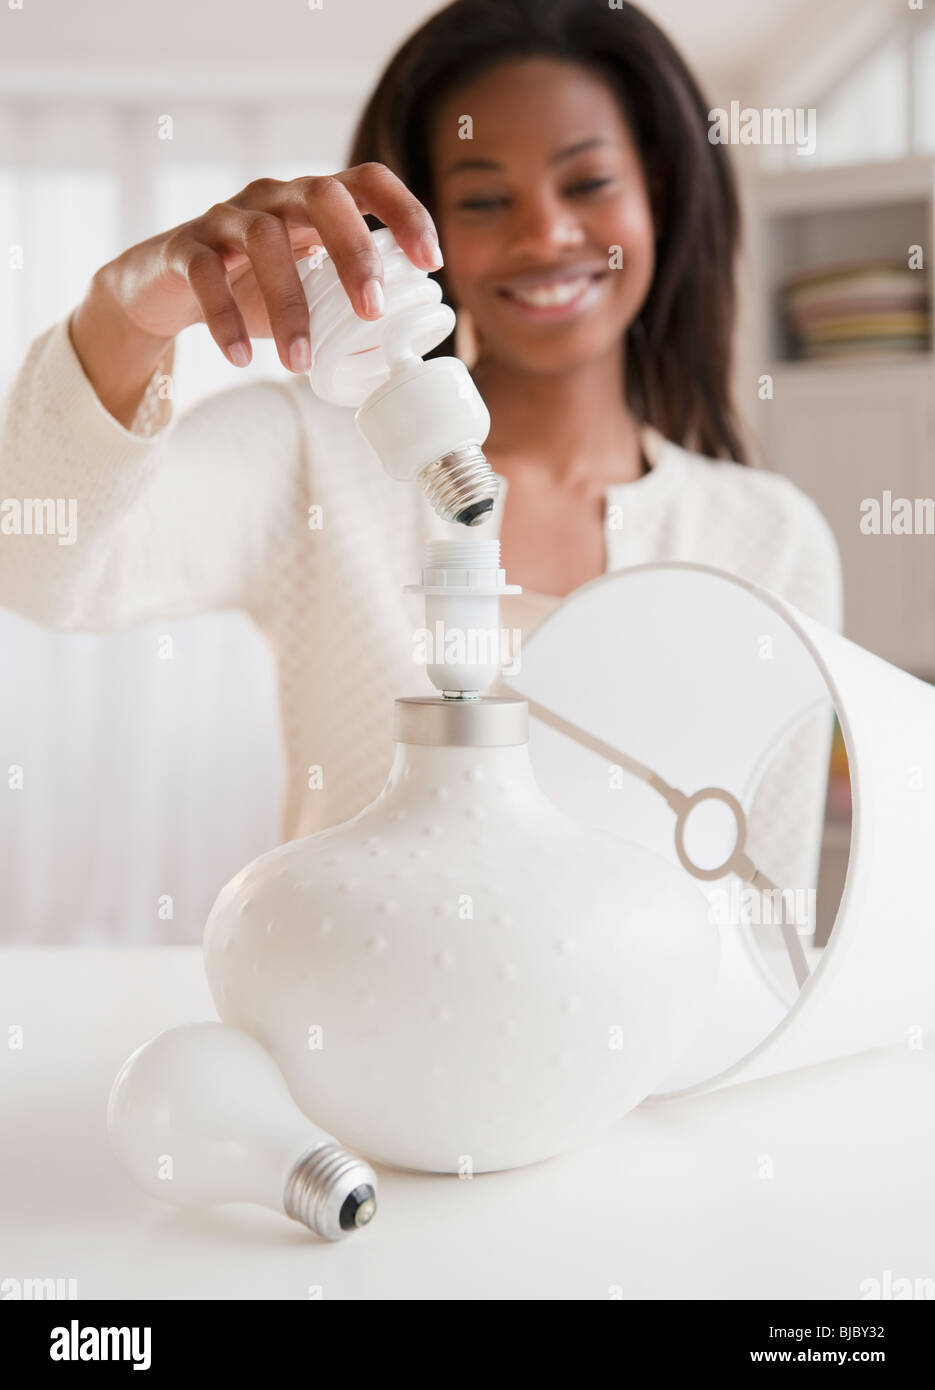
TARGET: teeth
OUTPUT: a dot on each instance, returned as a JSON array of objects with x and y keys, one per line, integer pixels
[{"x": 549, "y": 296}]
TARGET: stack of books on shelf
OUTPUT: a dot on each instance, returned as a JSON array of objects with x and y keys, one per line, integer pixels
[{"x": 850, "y": 311}]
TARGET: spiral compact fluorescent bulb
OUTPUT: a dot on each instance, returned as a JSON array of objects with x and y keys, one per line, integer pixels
[
  {"x": 201, "y": 1114},
  {"x": 424, "y": 420}
]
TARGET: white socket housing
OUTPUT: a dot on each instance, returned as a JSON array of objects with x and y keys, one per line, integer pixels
[{"x": 462, "y": 582}]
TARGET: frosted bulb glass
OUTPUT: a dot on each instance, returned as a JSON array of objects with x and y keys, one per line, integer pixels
[
  {"x": 424, "y": 420},
  {"x": 202, "y": 1115}
]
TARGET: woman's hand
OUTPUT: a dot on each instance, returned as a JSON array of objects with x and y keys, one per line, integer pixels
[{"x": 234, "y": 269}]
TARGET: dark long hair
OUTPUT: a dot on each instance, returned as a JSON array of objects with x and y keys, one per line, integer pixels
[{"x": 678, "y": 350}]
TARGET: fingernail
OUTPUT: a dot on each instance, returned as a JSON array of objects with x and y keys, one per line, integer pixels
[
  {"x": 431, "y": 250},
  {"x": 300, "y": 355},
  {"x": 372, "y": 298},
  {"x": 239, "y": 354}
]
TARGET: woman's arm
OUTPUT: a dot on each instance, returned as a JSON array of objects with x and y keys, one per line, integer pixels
[
  {"x": 118, "y": 358},
  {"x": 105, "y": 521},
  {"x": 103, "y": 528}
]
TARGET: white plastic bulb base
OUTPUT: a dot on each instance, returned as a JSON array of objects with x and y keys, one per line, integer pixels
[
  {"x": 424, "y": 420},
  {"x": 423, "y": 411},
  {"x": 490, "y": 982},
  {"x": 201, "y": 1115}
]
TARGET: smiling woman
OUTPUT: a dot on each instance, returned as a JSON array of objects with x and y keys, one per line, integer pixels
[
  {"x": 548, "y": 162},
  {"x": 553, "y": 141},
  {"x": 531, "y": 235},
  {"x": 550, "y": 246}
]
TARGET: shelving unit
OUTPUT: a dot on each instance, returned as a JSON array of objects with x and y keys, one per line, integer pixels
[{"x": 849, "y": 429}]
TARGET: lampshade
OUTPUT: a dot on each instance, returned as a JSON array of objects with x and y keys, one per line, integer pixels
[{"x": 663, "y": 698}]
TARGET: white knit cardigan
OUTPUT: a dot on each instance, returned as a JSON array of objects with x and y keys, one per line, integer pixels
[{"x": 218, "y": 508}]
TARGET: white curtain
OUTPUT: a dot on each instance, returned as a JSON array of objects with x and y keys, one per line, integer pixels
[{"x": 147, "y": 780}]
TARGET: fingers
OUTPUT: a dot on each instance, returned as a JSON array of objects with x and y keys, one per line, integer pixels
[
  {"x": 335, "y": 205},
  {"x": 264, "y": 239},
  {"x": 329, "y": 204},
  {"x": 259, "y": 224},
  {"x": 203, "y": 268},
  {"x": 377, "y": 190}
]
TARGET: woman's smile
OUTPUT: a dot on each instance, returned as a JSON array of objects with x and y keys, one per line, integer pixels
[{"x": 553, "y": 296}]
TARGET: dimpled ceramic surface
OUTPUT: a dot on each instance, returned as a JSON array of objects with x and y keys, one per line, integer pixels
[{"x": 461, "y": 974}]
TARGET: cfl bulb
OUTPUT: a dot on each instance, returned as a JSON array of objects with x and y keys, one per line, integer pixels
[
  {"x": 424, "y": 420},
  {"x": 202, "y": 1115}
]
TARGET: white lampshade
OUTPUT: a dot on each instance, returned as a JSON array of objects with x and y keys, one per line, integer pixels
[{"x": 703, "y": 678}]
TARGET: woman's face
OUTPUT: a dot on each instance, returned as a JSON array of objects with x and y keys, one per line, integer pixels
[{"x": 532, "y": 208}]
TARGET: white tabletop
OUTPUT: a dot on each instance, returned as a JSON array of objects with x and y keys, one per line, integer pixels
[{"x": 673, "y": 1203}]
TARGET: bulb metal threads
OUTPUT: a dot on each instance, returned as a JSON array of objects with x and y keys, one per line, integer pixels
[
  {"x": 461, "y": 485},
  {"x": 331, "y": 1192}
]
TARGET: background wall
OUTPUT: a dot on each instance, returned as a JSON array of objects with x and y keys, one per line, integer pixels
[{"x": 149, "y": 780}]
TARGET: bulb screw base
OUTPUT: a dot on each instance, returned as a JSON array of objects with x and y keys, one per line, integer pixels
[
  {"x": 461, "y": 485},
  {"x": 331, "y": 1192}
]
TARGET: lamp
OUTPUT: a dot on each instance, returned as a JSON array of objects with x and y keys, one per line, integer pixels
[
  {"x": 690, "y": 682},
  {"x": 478, "y": 971},
  {"x": 487, "y": 981}
]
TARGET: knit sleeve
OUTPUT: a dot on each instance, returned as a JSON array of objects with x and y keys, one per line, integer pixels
[{"x": 102, "y": 527}]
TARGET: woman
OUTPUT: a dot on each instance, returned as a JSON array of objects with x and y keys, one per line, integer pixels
[{"x": 558, "y": 153}]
